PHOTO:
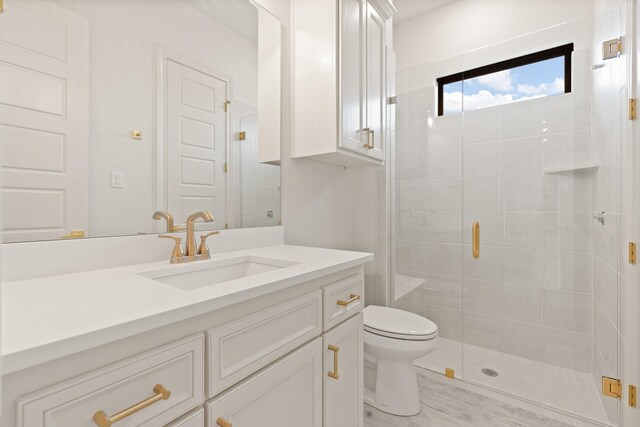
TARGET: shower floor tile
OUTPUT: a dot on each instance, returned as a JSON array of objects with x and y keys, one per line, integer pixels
[{"x": 570, "y": 391}]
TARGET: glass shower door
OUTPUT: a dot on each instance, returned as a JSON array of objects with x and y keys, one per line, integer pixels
[
  {"x": 541, "y": 155},
  {"x": 427, "y": 211}
]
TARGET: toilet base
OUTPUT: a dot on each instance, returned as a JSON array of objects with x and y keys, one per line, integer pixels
[{"x": 396, "y": 388}]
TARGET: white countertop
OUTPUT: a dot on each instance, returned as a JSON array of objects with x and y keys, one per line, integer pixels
[{"x": 51, "y": 317}]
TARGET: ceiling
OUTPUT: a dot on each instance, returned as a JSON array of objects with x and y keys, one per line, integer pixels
[
  {"x": 239, "y": 15},
  {"x": 409, "y": 9}
]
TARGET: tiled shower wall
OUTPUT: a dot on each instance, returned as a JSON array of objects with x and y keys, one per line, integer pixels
[{"x": 530, "y": 293}]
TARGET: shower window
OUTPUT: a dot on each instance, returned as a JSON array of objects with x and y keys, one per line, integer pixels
[{"x": 536, "y": 75}]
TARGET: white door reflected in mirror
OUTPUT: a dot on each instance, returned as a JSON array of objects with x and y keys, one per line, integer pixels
[
  {"x": 114, "y": 110},
  {"x": 196, "y": 141}
]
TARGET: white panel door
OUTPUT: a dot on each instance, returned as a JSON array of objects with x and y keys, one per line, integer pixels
[
  {"x": 287, "y": 393},
  {"x": 196, "y": 143},
  {"x": 44, "y": 104},
  {"x": 352, "y": 85},
  {"x": 343, "y": 396},
  {"x": 376, "y": 99}
]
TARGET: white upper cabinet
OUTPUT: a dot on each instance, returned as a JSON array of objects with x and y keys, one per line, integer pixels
[
  {"x": 339, "y": 80},
  {"x": 353, "y": 90},
  {"x": 375, "y": 83}
]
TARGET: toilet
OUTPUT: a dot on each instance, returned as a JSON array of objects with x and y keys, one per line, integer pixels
[{"x": 393, "y": 339}]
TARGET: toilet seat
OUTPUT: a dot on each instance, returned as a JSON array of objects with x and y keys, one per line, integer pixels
[{"x": 398, "y": 324}]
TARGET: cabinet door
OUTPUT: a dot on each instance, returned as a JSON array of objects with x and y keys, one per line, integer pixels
[
  {"x": 375, "y": 82},
  {"x": 352, "y": 64},
  {"x": 287, "y": 393},
  {"x": 343, "y": 375}
]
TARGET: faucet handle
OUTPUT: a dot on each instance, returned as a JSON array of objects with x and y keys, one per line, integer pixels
[
  {"x": 177, "y": 249},
  {"x": 203, "y": 248}
]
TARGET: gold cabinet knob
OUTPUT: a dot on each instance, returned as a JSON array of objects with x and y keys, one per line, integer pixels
[{"x": 223, "y": 423}]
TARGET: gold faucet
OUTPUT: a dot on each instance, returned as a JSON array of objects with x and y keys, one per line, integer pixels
[
  {"x": 158, "y": 215},
  {"x": 191, "y": 253}
]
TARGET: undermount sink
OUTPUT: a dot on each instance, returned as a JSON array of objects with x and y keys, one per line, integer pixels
[{"x": 206, "y": 273}]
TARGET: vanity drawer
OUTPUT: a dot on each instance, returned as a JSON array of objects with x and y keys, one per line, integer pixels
[
  {"x": 177, "y": 368},
  {"x": 192, "y": 419},
  {"x": 238, "y": 349},
  {"x": 343, "y": 299}
]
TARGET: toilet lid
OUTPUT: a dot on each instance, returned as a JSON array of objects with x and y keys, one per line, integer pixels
[{"x": 395, "y": 323}]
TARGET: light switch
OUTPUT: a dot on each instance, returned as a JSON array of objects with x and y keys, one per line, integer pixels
[{"x": 117, "y": 179}]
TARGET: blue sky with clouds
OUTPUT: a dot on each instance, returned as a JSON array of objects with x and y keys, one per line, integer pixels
[{"x": 536, "y": 80}]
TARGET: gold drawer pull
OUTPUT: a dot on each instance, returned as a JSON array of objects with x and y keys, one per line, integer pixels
[
  {"x": 101, "y": 419},
  {"x": 334, "y": 374},
  {"x": 223, "y": 423},
  {"x": 352, "y": 298}
]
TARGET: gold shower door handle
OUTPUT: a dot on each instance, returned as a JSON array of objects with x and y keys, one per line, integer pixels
[
  {"x": 475, "y": 239},
  {"x": 102, "y": 420},
  {"x": 334, "y": 374}
]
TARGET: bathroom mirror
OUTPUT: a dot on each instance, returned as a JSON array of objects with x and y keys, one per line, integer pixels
[{"x": 111, "y": 111}]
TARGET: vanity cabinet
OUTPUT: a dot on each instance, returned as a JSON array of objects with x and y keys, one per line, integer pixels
[
  {"x": 291, "y": 358},
  {"x": 339, "y": 80}
]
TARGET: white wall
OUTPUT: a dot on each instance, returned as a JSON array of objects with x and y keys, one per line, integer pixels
[
  {"x": 470, "y": 24},
  {"x": 124, "y": 35}
]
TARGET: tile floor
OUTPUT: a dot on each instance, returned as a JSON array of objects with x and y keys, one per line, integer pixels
[
  {"x": 564, "y": 389},
  {"x": 445, "y": 403}
]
